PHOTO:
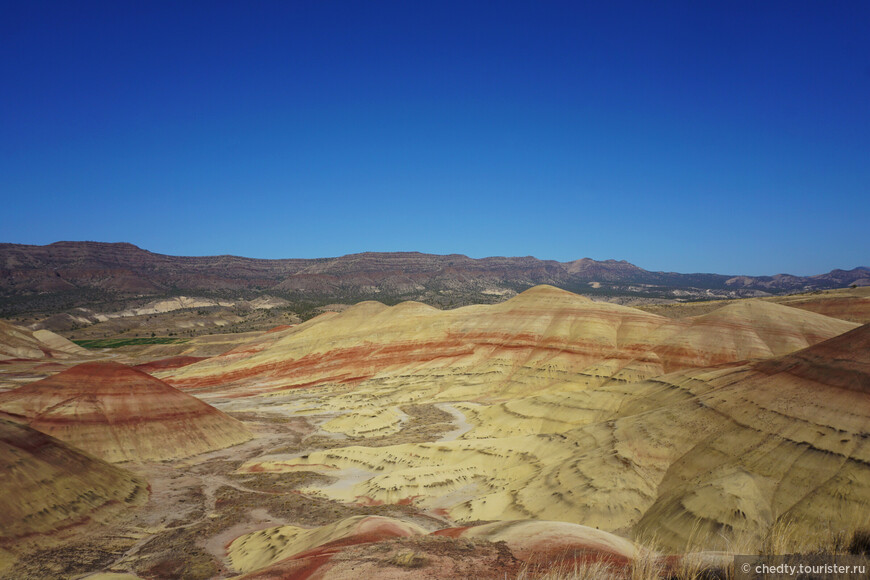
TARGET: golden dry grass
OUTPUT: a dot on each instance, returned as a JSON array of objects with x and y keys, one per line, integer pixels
[
  {"x": 695, "y": 563},
  {"x": 597, "y": 570}
]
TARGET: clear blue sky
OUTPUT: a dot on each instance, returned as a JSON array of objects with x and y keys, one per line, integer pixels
[{"x": 729, "y": 137}]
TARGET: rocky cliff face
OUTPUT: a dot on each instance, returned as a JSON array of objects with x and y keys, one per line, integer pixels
[{"x": 68, "y": 274}]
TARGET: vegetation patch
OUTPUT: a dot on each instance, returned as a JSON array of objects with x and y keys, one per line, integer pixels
[
  {"x": 119, "y": 342},
  {"x": 408, "y": 559}
]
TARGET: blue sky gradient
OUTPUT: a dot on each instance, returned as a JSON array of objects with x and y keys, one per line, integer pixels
[{"x": 729, "y": 137}]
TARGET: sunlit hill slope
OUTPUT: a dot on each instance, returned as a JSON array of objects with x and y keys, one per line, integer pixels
[{"x": 577, "y": 411}]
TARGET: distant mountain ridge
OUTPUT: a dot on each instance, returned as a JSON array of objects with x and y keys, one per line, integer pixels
[{"x": 69, "y": 274}]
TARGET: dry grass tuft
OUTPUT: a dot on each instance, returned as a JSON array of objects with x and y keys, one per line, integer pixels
[
  {"x": 408, "y": 559},
  {"x": 597, "y": 570},
  {"x": 860, "y": 544},
  {"x": 647, "y": 565},
  {"x": 785, "y": 537},
  {"x": 696, "y": 562}
]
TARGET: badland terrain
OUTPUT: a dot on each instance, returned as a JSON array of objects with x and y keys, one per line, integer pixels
[{"x": 417, "y": 416}]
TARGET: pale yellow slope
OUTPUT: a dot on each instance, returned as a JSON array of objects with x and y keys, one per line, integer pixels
[
  {"x": 17, "y": 342},
  {"x": 737, "y": 448},
  {"x": 543, "y": 341},
  {"x": 59, "y": 343},
  {"x": 762, "y": 329},
  {"x": 46, "y": 485}
]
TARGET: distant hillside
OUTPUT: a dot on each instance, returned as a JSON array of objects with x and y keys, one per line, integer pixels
[{"x": 66, "y": 275}]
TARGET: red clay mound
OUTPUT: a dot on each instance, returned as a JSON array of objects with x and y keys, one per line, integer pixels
[
  {"x": 119, "y": 414},
  {"x": 418, "y": 558},
  {"x": 541, "y": 542},
  {"x": 318, "y": 550},
  {"x": 388, "y": 549},
  {"x": 380, "y": 547},
  {"x": 280, "y": 327}
]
